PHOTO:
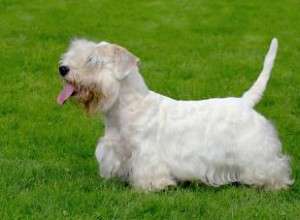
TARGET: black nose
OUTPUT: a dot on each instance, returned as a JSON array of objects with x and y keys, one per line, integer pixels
[{"x": 64, "y": 70}]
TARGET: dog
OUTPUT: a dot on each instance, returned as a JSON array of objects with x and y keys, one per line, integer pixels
[{"x": 152, "y": 141}]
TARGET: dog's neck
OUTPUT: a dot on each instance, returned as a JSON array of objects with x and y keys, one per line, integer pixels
[
  {"x": 133, "y": 88},
  {"x": 132, "y": 92}
]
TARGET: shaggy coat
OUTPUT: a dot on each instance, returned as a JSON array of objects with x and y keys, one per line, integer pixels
[{"x": 154, "y": 141}]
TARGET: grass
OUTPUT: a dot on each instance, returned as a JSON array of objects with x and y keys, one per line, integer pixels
[{"x": 188, "y": 50}]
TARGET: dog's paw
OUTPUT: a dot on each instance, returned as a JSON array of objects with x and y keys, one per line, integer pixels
[{"x": 154, "y": 185}]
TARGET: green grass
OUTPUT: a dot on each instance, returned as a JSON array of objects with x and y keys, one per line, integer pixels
[{"x": 189, "y": 50}]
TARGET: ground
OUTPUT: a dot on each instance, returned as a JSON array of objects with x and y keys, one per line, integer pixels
[{"x": 188, "y": 50}]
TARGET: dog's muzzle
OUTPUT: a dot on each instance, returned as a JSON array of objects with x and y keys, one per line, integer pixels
[{"x": 63, "y": 70}]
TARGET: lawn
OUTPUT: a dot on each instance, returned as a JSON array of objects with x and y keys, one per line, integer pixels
[{"x": 194, "y": 49}]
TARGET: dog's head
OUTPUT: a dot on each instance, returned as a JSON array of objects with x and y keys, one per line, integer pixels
[{"x": 92, "y": 73}]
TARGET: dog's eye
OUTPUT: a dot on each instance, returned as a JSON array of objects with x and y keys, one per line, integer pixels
[
  {"x": 101, "y": 63},
  {"x": 89, "y": 59},
  {"x": 92, "y": 62},
  {"x": 95, "y": 62}
]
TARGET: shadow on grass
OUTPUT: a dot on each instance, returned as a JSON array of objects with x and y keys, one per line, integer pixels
[
  {"x": 199, "y": 186},
  {"x": 192, "y": 186}
]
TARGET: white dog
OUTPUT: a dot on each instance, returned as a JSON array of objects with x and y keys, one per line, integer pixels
[{"x": 153, "y": 141}]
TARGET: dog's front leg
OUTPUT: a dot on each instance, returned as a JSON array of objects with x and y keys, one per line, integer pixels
[
  {"x": 108, "y": 160},
  {"x": 150, "y": 174}
]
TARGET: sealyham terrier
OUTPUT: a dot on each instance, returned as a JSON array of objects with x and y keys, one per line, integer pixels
[{"x": 153, "y": 141}]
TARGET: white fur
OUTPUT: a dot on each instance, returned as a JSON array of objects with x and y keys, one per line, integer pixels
[
  {"x": 154, "y": 141},
  {"x": 103, "y": 43}
]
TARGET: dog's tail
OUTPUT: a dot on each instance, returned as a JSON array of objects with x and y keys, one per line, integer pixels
[{"x": 254, "y": 94}]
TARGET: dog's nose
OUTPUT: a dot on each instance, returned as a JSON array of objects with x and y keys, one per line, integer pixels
[{"x": 63, "y": 70}]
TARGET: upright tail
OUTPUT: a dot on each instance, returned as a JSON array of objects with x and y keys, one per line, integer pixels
[{"x": 254, "y": 94}]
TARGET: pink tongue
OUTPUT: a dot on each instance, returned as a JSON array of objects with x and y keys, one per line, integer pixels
[{"x": 65, "y": 94}]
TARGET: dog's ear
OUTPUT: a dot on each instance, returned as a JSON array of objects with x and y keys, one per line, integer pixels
[{"x": 124, "y": 62}]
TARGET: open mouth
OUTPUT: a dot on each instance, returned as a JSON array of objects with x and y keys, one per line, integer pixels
[
  {"x": 88, "y": 97},
  {"x": 68, "y": 91}
]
